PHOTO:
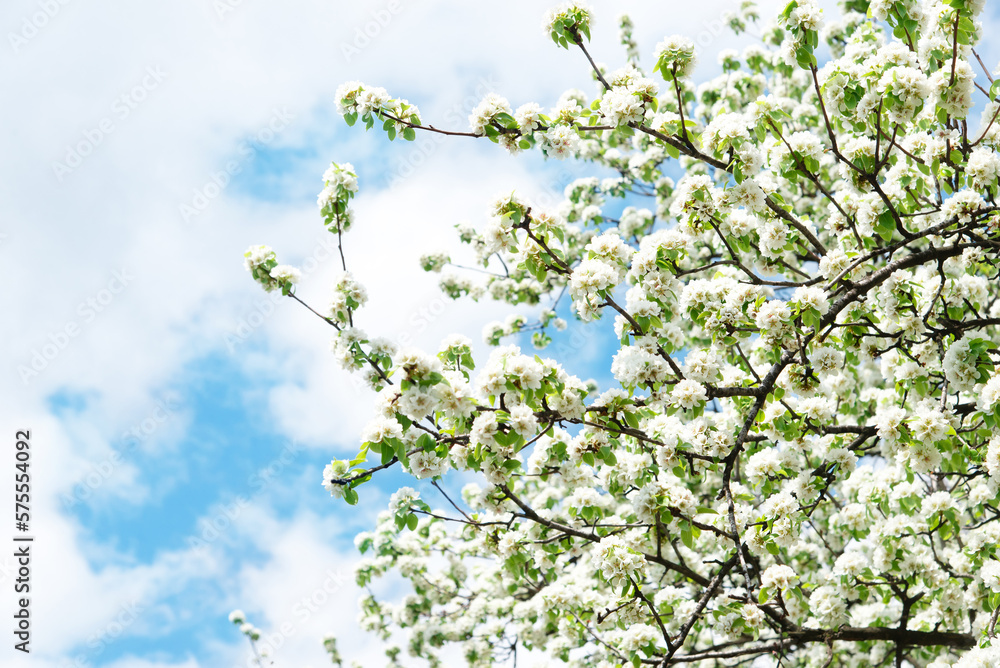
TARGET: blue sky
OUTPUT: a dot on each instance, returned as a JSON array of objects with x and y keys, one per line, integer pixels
[{"x": 180, "y": 417}]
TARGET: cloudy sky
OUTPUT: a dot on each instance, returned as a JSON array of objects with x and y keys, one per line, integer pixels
[{"x": 179, "y": 417}]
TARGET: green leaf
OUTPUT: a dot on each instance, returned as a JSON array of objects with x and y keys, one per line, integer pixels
[
  {"x": 362, "y": 455},
  {"x": 885, "y": 226},
  {"x": 995, "y": 90},
  {"x": 426, "y": 442},
  {"x": 608, "y": 456},
  {"x": 505, "y": 119},
  {"x": 400, "y": 450}
]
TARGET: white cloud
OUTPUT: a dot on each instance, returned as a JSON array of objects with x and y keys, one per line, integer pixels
[{"x": 75, "y": 604}]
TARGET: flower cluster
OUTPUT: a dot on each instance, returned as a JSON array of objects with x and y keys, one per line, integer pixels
[
  {"x": 619, "y": 564},
  {"x": 794, "y": 443},
  {"x": 373, "y": 104},
  {"x": 260, "y": 261},
  {"x": 675, "y": 57},
  {"x": 567, "y": 22},
  {"x": 340, "y": 182}
]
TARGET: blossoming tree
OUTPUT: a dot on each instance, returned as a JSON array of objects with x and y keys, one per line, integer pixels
[{"x": 799, "y": 462}]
